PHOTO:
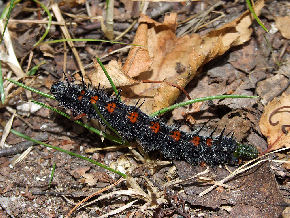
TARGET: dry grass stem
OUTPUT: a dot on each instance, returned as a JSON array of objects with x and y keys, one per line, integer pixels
[
  {"x": 6, "y": 130},
  {"x": 179, "y": 181},
  {"x": 65, "y": 31},
  {"x": 197, "y": 21},
  {"x": 126, "y": 31},
  {"x": 97, "y": 193},
  {"x": 119, "y": 210},
  {"x": 13, "y": 21},
  {"x": 10, "y": 57},
  {"x": 22, "y": 156},
  {"x": 241, "y": 169}
]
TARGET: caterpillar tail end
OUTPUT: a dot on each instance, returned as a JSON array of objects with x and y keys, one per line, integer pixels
[{"x": 246, "y": 152}]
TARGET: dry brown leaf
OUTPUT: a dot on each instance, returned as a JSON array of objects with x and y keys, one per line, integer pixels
[
  {"x": 165, "y": 57},
  {"x": 90, "y": 179},
  {"x": 162, "y": 56},
  {"x": 80, "y": 2},
  {"x": 80, "y": 171},
  {"x": 139, "y": 53},
  {"x": 283, "y": 24},
  {"x": 275, "y": 123},
  {"x": 114, "y": 69},
  {"x": 47, "y": 50}
]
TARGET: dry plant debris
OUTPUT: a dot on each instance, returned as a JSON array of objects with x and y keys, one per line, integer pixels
[
  {"x": 282, "y": 24},
  {"x": 246, "y": 195},
  {"x": 162, "y": 56},
  {"x": 275, "y": 123}
]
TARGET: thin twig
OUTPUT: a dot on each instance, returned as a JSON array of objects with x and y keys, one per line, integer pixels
[
  {"x": 22, "y": 146},
  {"x": 178, "y": 181},
  {"x": 126, "y": 31},
  {"x": 96, "y": 193},
  {"x": 65, "y": 31},
  {"x": 120, "y": 209},
  {"x": 198, "y": 19},
  {"x": 40, "y": 22},
  {"x": 240, "y": 170}
]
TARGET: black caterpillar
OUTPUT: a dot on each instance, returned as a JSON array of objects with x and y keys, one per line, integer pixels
[{"x": 154, "y": 135}]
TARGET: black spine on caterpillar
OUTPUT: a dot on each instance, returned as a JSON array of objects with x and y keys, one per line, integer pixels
[{"x": 150, "y": 132}]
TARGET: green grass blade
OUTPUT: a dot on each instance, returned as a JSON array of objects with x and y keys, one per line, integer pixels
[
  {"x": 106, "y": 122},
  {"x": 7, "y": 9},
  {"x": 52, "y": 174},
  {"x": 48, "y": 24},
  {"x": 31, "y": 89},
  {"x": 255, "y": 16},
  {"x": 172, "y": 107},
  {"x": 67, "y": 152},
  {"x": 34, "y": 69},
  {"x": 2, "y": 93},
  {"x": 107, "y": 3},
  {"x": 108, "y": 76},
  {"x": 98, "y": 132},
  {"x": 6, "y": 14}
]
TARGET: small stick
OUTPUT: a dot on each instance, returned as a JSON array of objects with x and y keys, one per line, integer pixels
[{"x": 22, "y": 146}]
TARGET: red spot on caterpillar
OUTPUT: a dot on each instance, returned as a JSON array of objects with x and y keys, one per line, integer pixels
[
  {"x": 209, "y": 142},
  {"x": 175, "y": 135},
  {"x": 111, "y": 107},
  {"x": 81, "y": 95},
  {"x": 155, "y": 127},
  {"x": 79, "y": 116},
  {"x": 202, "y": 164},
  {"x": 133, "y": 116},
  {"x": 196, "y": 140},
  {"x": 94, "y": 99}
]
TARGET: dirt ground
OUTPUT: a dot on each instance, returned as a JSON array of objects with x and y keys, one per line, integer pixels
[{"x": 155, "y": 187}]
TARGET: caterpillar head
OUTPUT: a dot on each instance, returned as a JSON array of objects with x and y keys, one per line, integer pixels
[{"x": 246, "y": 152}]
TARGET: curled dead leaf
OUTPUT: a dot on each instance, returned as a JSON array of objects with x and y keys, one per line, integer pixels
[
  {"x": 275, "y": 122},
  {"x": 115, "y": 71},
  {"x": 163, "y": 54}
]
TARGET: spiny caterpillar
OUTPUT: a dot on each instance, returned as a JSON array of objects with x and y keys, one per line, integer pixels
[{"x": 132, "y": 124}]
